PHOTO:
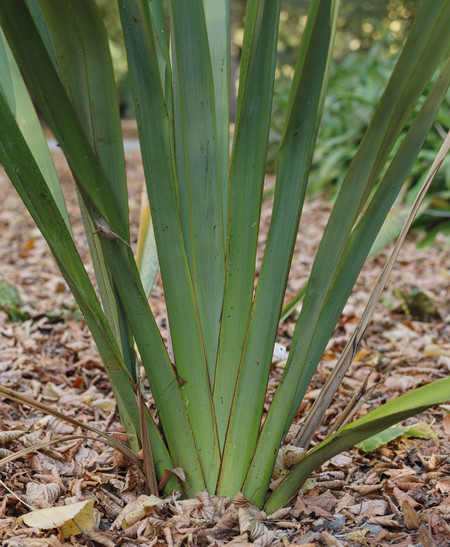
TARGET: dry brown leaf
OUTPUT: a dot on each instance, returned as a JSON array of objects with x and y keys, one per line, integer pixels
[
  {"x": 280, "y": 514},
  {"x": 139, "y": 509},
  {"x": 359, "y": 536},
  {"x": 410, "y": 516},
  {"x": 229, "y": 519},
  {"x": 4, "y": 453},
  {"x": 207, "y": 508},
  {"x": 425, "y": 537},
  {"x": 265, "y": 540},
  {"x": 288, "y": 456},
  {"x": 239, "y": 541},
  {"x": 443, "y": 486},
  {"x": 347, "y": 500},
  {"x": 8, "y": 436},
  {"x": 370, "y": 508},
  {"x": 325, "y": 501},
  {"x": 52, "y": 392},
  {"x": 365, "y": 489},
  {"x": 403, "y": 496},
  {"x": 341, "y": 460},
  {"x": 43, "y": 495},
  {"x": 330, "y": 541},
  {"x": 446, "y": 424},
  {"x": 386, "y": 520},
  {"x": 248, "y": 523},
  {"x": 102, "y": 538}
]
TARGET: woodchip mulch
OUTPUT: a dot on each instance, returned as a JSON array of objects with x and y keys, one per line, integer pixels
[{"x": 398, "y": 494}]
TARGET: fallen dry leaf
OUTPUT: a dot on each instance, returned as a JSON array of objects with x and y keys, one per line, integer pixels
[
  {"x": 372, "y": 508},
  {"x": 43, "y": 495},
  {"x": 330, "y": 541},
  {"x": 140, "y": 508},
  {"x": 248, "y": 523},
  {"x": 410, "y": 516},
  {"x": 63, "y": 517},
  {"x": 8, "y": 436}
]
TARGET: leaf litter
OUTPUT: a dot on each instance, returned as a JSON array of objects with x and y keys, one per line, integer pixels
[{"x": 396, "y": 494}]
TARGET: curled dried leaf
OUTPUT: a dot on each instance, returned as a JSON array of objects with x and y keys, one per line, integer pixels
[
  {"x": 288, "y": 456},
  {"x": 248, "y": 523},
  {"x": 138, "y": 509},
  {"x": 8, "y": 436},
  {"x": 265, "y": 540},
  {"x": 43, "y": 495}
]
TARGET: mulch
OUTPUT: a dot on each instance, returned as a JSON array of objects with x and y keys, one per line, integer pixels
[{"x": 398, "y": 494}]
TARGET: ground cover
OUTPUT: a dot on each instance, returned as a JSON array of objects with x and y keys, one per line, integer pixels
[{"x": 397, "y": 494}]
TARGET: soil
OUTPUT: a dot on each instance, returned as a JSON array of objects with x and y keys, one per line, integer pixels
[{"x": 398, "y": 494}]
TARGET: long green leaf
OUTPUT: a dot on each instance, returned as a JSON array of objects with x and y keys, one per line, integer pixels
[
  {"x": 154, "y": 130},
  {"x": 308, "y": 91},
  {"x": 16, "y": 95},
  {"x": 245, "y": 195},
  {"x": 83, "y": 58},
  {"x": 25, "y": 174},
  {"x": 42, "y": 79},
  {"x": 365, "y": 233},
  {"x": 201, "y": 158},
  {"x": 217, "y": 16},
  {"x": 323, "y": 304},
  {"x": 373, "y": 422},
  {"x": 33, "y": 190},
  {"x": 167, "y": 391}
]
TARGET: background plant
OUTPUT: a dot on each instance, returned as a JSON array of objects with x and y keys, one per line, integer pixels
[{"x": 205, "y": 207}]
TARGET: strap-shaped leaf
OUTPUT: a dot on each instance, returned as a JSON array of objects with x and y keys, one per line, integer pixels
[
  {"x": 245, "y": 195},
  {"x": 365, "y": 233},
  {"x": 16, "y": 95},
  {"x": 33, "y": 190},
  {"x": 294, "y": 159},
  {"x": 217, "y": 16},
  {"x": 201, "y": 160},
  {"x": 83, "y": 58},
  {"x": 155, "y": 137},
  {"x": 323, "y": 302},
  {"x": 373, "y": 422},
  {"x": 42, "y": 79}
]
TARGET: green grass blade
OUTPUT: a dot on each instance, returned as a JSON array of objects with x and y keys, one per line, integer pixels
[
  {"x": 377, "y": 420},
  {"x": 201, "y": 157},
  {"x": 294, "y": 159},
  {"x": 155, "y": 136},
  {"x": 245, "y": 195},
  {"x": 16, "y": 95}
]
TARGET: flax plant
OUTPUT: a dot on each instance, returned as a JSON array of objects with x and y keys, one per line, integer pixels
[{"x": 205, "y": 204}]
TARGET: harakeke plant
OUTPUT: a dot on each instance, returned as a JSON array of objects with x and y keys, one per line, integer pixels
[{"x": 205, "y": 207}]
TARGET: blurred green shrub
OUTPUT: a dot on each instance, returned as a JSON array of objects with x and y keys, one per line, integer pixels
[{"x": 367, "y": 43}]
